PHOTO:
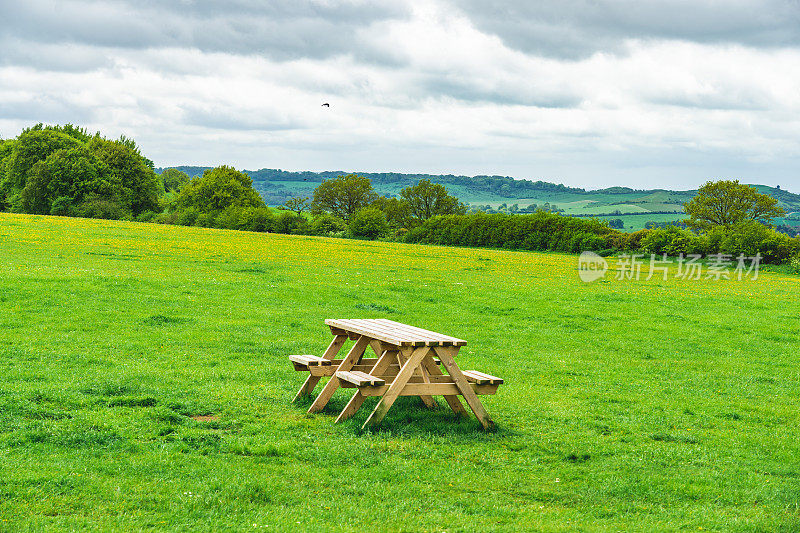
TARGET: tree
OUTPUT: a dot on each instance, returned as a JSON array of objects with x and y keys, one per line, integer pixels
[
  {"x": 218, "y": 189},
  {"x": 397, "y": 211},
  {"x": 297, "y": 204},
  {"x": 70, "y": 176},
  {"x": 727, "y": 203},
  {"x": 370, "y": 223},
  {"x": 426, "y": 200},
  {"x": 344, "y": 195},
  {"x": 138, "y": 184},
  {"x": 174, "y": 179},
  {"x": 616, "y": 223}
]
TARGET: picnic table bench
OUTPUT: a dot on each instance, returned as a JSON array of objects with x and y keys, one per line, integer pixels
[{"x": 409, "y": 362}]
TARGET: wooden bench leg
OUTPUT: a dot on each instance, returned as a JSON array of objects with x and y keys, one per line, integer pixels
[
  {"x": 330, "y": 387},
  {"x": 355, "y": 402},
  {"x": 330, "y": 353},
  {"x": 452, "y": 400},
  {"x": 446, "y": 357},
  {"x": 429, "y": 402},
  {"x": 396, "y": 387}
]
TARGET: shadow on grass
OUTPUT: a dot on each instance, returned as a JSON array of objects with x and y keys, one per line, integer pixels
[{"x": 409, "y": 417}]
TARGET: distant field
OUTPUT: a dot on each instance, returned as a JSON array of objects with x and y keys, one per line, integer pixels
[{"x": 145, "y": 386}]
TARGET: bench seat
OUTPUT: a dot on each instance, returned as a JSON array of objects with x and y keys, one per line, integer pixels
[
  {"x": 360, "y": 379},
  {"x": 308, "y": 360},
  {"x": 482, "y": 379}
]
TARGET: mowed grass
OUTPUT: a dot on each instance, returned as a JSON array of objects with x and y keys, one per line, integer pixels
[{"x": 144, "y": 385}]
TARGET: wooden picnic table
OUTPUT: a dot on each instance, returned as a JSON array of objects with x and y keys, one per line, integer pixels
[{"x": 407, "y": 364}]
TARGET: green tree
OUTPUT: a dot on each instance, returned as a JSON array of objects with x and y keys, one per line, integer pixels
[
  {"x": 297, "y": 204},
  {"x": 344, "y": 195},
  {"x": 139, "y": 185},
  {"x": 32, "y": 145},
  {"x": 397, "y": 211},
  {"x": 426, "y": 200},
  {"x": 369, "y": 223},
  {"x": 727, "y": 203},
  {"x": 70, "y": 175},
  {"x": 218, "y": 189},
  {"x": 174, "y": 179}
]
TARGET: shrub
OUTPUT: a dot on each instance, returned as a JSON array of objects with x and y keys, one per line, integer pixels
[
  {"x": 369, "y": 223},
  {"x": 327, "y": 223},
  {"x": 794, "y": 265},
  {"x": 187, "y": 217}
]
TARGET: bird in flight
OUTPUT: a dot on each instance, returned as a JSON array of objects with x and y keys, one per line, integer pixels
[{"x": 326, "y": 104}]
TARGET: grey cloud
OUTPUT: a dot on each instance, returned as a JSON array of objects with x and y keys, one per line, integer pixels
[
  {"x": 574, "y": 29},
  {"x": 280, "y": 30},
  {"x": 48, "y": 109},
  {"x": 236, "y": 119},
  {"x": 471, "y": 90}
]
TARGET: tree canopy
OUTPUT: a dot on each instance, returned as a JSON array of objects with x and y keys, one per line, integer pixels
[
  {"x": 344, "y": 195},
  {"x": 174, "y": 179},
  {"x": 727, "y": 203},
  {"x": 426, "y": 200},
  {"x": 63, "y": 169},
  {"x": 218, "y": 189}
]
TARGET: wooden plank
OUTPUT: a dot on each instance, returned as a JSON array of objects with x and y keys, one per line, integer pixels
[
  {"x": 309, "y": 360},
  {"x": 359, "y": 379},
  {"x": 435, "y": 373},
  {"x": 413, "y": 330},
  {"x": 344, "y": 324},
  {"x": 330, "y": 387},
  {"x": 397, "y": 385},
  {"x": 378, "y": 330},
  {"x": 380, "y": 368},
  {"x": 428, "y": 400},
  {"x": 401, "y": 330},
  {"x": 446, "y": 357},
  {"x": 481, "y": 378},
  {"x": 430, "y": 389},
  {"x": 311, "y": 382}
]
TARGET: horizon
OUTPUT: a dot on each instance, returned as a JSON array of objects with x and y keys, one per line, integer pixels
[{"x": 779, "y": 186}]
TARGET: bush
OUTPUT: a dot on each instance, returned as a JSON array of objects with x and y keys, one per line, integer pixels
[
  {"x": 187, "y": 217},
  {"x": 369, "y": 223},
  {"x": 794, "y": 265},
  {"x": 327, "y": 223},
  {"x": 146, "y": 216},
  {"x": 101, "y": 207},
  {"x": 62, "y": 206}
]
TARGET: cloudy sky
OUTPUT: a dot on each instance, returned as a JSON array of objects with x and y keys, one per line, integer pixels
[{"x": 589, "y": 93}]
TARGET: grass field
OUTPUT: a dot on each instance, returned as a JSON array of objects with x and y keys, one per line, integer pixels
[{"x": 145, "y": 386}]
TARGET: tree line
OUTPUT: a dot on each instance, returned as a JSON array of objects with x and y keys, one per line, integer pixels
[{"x": 66, "y": 171}]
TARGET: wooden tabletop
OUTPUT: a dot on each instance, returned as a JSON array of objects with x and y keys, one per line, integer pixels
[{"x": 392, "y": 332}]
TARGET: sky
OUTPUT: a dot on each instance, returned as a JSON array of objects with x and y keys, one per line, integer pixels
[{"x": 589, "y": 93}]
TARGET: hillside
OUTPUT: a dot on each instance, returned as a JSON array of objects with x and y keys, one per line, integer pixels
[{"x": 634, "y": 206}]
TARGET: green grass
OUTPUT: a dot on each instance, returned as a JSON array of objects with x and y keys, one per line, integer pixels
[{"x": 144, "y": 385}]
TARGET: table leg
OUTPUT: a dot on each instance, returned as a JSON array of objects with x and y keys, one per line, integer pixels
[
  {"x": 429, "y": 402},
  {"x": 452, "y": 400},
  {"x": 446, "y": 357},
  {"x": 330, "y": 387},
  {"x": 330, "y": 353},
  {"x": 355, "y": 402},
  {"x": 389, "y": 397}
]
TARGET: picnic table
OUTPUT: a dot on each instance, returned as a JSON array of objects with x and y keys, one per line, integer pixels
[{"x": 408, "y": 362}]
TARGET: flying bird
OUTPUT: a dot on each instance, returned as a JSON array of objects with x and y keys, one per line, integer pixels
[{"x": 326, "y": 104}]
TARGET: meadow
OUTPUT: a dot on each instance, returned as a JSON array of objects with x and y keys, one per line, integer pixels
[{"x": 145, "y": 385}]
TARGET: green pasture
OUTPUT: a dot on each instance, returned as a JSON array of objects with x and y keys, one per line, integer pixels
[{"x": 144, "y": 385}]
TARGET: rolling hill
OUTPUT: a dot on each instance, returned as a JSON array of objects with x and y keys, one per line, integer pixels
[{"x": 635, "y": 207}]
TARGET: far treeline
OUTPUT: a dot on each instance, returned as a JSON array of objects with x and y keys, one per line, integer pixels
[{"x": 66, "y": 171}]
